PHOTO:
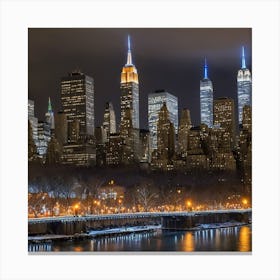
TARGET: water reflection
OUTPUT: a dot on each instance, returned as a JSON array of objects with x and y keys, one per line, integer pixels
[
  {"x": 224, "y": 239},
  {"x": 189, "y": 242},
  {"x": 244, "y": 239}
]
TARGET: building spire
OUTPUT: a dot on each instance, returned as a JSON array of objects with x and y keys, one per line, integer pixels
[
  {"x": 243, "y": 59},
  {"x": 129, "y": 57},
  {"x": 205, "y": 69},
  {"x": 49, "y": 105}
]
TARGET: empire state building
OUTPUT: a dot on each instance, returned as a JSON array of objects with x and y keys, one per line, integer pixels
[
  {"x": 244, "y": 87},
  {"x": 130, "y": 90}
]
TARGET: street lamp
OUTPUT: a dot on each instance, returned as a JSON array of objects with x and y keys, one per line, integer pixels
[
  {"x": 76, "y": 207},
  {"x": 244, "y": 202},
  {"x": 189, "y": 205}
]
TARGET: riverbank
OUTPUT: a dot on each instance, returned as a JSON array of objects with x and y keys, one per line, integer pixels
[{"x": 94, "y": 233}]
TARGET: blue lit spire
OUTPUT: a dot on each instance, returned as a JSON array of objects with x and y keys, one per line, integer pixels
[
  {"x": 243, "y": 59},
  {"x": 129, "y": 57},
  {"x": 205, "y": 69}
]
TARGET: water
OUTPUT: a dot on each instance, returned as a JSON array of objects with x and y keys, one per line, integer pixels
[{"x": 224, "y": 239}]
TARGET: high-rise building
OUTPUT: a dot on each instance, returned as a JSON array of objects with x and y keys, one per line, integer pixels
[
  {"x": 183, "y": 132},
  {"x": 224, "y": 117},
  {"x": 44, "y": 136},
  {"x": 109, "y": 122},
  {"x": 61, "y": 128},
  {"x": 77, "y": 98},
  {"x": 145, "y": 144},
  {"x": 33, "y": 121},
  {"x": 155, "y": 103},
  {"x": 130, "y": 139},
  {"x": 165, "y": 135},
  {"x": 244, "y": 87},
  {"x": 130, "y": 89},
  {"x": 50, "y": 115},
  {"x": 114, "y": 150},
  {"x": 206, "y": 99}
]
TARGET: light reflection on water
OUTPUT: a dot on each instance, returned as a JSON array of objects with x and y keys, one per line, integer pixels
[{"x": 223, "y": 239}]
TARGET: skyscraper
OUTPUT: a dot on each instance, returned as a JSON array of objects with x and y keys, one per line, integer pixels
[
  {"x": 77, "y": 98},
  {"x": 183, "y": 132},
  {"x": 33, "y": 121},
  {"x": 50, "y": 115},
  {"x": 109, "y": 122},
  {"x": 206, "y": 98},
  {"x": 155, "y": 103},
  {"x": 130, "y": 89},
  {"x": 244, "y": 87},
  {"x": 224, "y": 116},
  {"x": 165, "y": 135}
]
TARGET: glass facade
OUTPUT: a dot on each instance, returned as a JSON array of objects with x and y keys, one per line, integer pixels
[
  {"x": 244, "y": 91},
  {"x": 155, "y": 103},
  {"x": 206, "y": 99},
  {"x": 206, "y": 102}
]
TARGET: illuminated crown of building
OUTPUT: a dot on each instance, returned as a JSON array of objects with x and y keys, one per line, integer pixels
[{"x": 129, "y": 71}]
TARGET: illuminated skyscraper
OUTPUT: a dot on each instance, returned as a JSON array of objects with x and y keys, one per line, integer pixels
[
  {"x": 50, "y": 115},
  {"x": 155, "y": 103},
  {"x": 244, "y": 87},
  {"x": 130, "y": 89},
  {"x": 33, "y": 121},
  {"x": 77, "y": 98},
  {"x": 224, "y": 117},
  {"x": 109, "y": 122},
  {"x": 206, "y": 99}
]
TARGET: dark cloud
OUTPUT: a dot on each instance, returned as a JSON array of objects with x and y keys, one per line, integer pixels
[{"x": 165, "y": 58}]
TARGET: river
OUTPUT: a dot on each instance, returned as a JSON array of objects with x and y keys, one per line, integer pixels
[{"x": 236, "y": 239}]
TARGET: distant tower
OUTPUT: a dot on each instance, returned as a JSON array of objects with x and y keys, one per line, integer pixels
[
  {"x": 50, "y": 115},
  {"x": 109, "y": 122},
  {"x": 130, "y": 89},
  {"x": 244, "y": 87},
  {"x": 206, "y": 98},
  {"x": 155, "y": 103},
  {"x": 165, "y": 135},
  {"x": 183, "y": 132},
  {"x": 33, "y": 121}
]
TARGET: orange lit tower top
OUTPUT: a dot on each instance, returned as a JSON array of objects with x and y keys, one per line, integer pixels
[{"x": 130, "y": 89}]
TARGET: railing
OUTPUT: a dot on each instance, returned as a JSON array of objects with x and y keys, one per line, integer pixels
[{"x": 131, "y": 216}]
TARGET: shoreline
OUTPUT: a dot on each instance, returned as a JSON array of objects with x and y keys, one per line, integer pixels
[{"x": 124, "y": 231}]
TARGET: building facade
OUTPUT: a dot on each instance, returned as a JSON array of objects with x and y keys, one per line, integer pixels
[
  {"x": 109, "y": 121},
  {"x": 130, "y": 89},
  {"x": 244, "y": 87},
  {"x": 224, "y": 116},
  {"x": 206, "y": 99},
  {"x": 183, "y": 133},
  {"x": 77, "y": 98},
  {"x": 33, "y": 120},
  {"x": 155, "y": 103}
]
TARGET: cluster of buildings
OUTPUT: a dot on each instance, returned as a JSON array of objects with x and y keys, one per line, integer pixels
[{"x": 70, "y": 136}]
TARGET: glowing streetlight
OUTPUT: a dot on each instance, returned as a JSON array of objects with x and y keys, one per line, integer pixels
[{"x": 245, "y": 202}]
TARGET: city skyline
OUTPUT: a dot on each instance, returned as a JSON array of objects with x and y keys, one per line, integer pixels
[{"x": 223, "y": 75}]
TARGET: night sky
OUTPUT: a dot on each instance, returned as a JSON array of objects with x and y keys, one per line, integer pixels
[{"x": 170, "y": 59}]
